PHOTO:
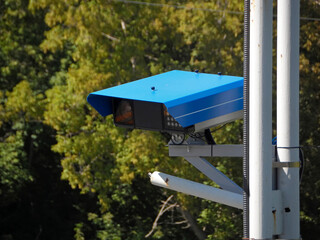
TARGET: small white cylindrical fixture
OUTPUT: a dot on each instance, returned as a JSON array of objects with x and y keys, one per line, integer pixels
[{"x": 196, "y": 189}]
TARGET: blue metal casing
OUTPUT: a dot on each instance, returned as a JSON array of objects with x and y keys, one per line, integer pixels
[{"x": 190, "y": 97}]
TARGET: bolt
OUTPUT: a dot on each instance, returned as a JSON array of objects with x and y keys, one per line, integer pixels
[{"x": 166, "y": 181}]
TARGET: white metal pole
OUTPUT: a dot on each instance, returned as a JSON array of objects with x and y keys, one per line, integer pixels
[
  {"x": 288, "y": 113},
  {"x": 260, "y": 117},
  {"x": 196, "y": 189}
]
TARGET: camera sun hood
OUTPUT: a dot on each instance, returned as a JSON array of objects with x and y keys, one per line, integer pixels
[{"x": 173, "y": 101}]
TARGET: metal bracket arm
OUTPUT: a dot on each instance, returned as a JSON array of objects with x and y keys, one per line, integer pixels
[
  {"x": 195, "y": 150},
  {"x": 214, "y": 174}
]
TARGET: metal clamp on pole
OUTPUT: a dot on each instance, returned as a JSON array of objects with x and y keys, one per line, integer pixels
[
  {"x": 256, "y": 238},
  {"x": 286, "y": 164},
  {"x": 289, "y": 239}
]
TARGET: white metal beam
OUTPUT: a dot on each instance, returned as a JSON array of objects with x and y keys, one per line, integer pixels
[
  {"x": 196, "y": 189},
  {"x": 214, "y": 174},
  {"x": 195, "y": 150}
]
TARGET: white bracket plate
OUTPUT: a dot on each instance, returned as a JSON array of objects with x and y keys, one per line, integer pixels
[{"x": 193, "y": 150}]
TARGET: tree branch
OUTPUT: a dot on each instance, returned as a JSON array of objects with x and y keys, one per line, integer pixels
[
  {"x": 188, "y": 219},
  {"x": 110, "y": 37},
  {"x": 162, "y": 211},
  {"x": 192, "y": 223}
]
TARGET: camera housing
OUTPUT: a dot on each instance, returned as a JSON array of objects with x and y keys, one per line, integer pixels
[{"x": 174, "y": 102}]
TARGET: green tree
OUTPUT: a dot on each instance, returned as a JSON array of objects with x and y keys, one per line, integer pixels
[
  {"x": 309, "y": 118},
  {"x": 91, "y": 45},
  {"x": 116, "y": 42},
  {"x": 34, "y": 202}
]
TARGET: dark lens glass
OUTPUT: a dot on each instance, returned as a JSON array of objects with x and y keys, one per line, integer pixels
[{"x": 124, "y": 113}]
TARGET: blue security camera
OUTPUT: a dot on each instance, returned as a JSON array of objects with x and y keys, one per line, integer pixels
[{"x": 174, "y": 102}]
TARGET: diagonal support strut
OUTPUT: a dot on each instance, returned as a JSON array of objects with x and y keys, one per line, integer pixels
[{"x": 214, "y": 174}]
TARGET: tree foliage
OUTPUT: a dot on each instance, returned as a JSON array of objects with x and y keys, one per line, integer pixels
[
  {"x": 310, "y": 118},
  {"x": 34, "y": 203}
]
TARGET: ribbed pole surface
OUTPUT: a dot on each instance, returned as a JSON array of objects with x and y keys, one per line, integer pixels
[{"x": 246, "y": 119}]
